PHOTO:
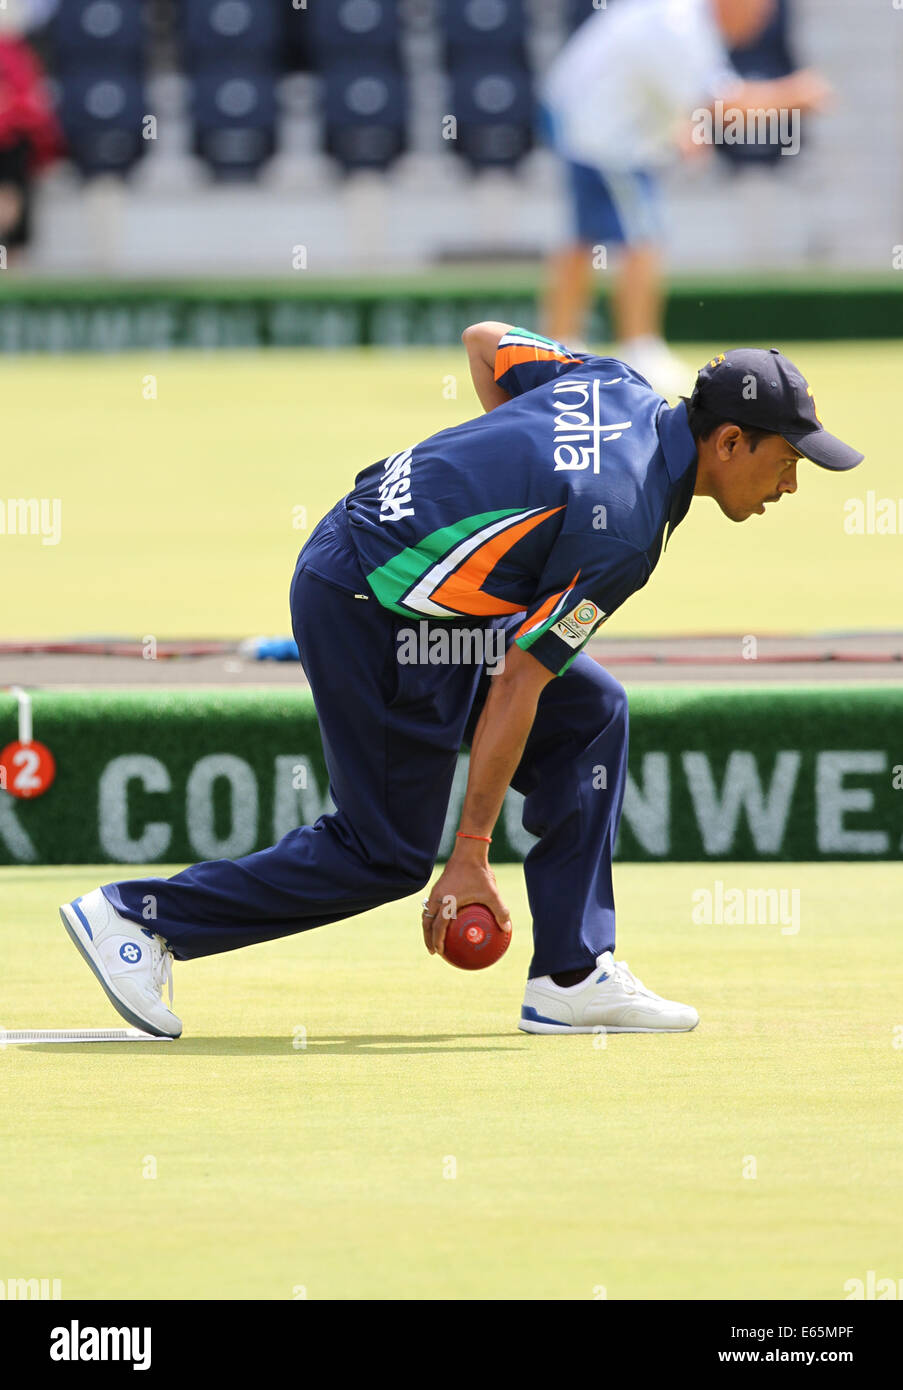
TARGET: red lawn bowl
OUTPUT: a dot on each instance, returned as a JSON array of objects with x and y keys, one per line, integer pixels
[{"x": 474, "y": 939}]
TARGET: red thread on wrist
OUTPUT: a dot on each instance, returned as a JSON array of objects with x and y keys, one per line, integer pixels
[{"x": 462, "y": 834}]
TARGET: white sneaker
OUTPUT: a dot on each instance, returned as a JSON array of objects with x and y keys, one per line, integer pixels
[
  {"x": 609, "y": 1000},
  {"x": 131, "y": 964}
]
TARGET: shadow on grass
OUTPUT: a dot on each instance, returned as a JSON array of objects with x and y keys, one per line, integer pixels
[{"x": 371, "y": 1044}]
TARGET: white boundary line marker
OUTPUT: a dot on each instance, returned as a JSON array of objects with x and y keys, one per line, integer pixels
[{"x": 16, "y": 1037}]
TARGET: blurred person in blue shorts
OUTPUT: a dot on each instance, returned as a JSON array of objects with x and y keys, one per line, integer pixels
[{"x": 618, "y": 106}]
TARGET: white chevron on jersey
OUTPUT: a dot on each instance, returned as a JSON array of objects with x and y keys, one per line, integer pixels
[{"x": 419, "y": 598}]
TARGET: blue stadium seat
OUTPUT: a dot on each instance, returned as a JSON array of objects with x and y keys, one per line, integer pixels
[
  {"x": 102, "y": 115},
  {"x": 579, "y": 10},
  {"x": 296, "y": 38},
  {"x": 338, "y": 29},
  {"x": 494, "y": 108},
  {"x": 475, "y": 29},
  {"x": 229, "y": 29},
  {"x": 94, "y": 34},
  {"x": 234, "y": 114},
  {"x": 365, "y": 107}
]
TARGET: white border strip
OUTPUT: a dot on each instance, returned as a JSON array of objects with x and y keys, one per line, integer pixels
[
  {"x": 25, "y": 723},
  {"x": 13, "y": 1037}
]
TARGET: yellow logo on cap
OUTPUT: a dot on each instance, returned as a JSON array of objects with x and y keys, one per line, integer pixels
[{"x": 715, "y": 360}]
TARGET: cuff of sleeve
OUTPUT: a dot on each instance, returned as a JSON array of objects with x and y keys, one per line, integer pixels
[{"x": 550, "y": 652}]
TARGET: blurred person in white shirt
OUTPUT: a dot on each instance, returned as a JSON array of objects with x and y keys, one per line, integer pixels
[{"x": 618, "y": 105}]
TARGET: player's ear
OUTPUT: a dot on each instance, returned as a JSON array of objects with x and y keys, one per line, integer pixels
[{"x": 729, "y": 437}]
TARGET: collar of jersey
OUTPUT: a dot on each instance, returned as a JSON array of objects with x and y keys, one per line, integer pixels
[{"x": 679, "y": 450}]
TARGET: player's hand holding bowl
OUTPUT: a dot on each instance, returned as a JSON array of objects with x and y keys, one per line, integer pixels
[{"x": 467, "y": 879}]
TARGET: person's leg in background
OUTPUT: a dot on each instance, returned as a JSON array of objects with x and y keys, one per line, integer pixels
[
  {"x": 594, "y": 257},
  {"x": 639, "y": 294},
  {"x": 638, "y": 297},
  {"x": 616, "y": 236},
  {"x": 568, "y": 294},
  {"x": 569, "y": 273}
]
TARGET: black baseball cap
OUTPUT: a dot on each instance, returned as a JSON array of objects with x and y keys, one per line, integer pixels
[{"x": 764, "y": 390}]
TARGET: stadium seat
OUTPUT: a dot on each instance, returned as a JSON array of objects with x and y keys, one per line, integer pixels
[
  {"x": 296, "y": 39},
  {"x": 579, "y": 10},
  {"x": 341, "y": 28},
  {"x": 365, "y": 109},
  {"x": 227, "y": 29},
  {"x": 475, "y": 29},
  {"x": 102, "y": 117},
  {"x": 97, "y": 34},
  {"x": 493, "y": 104},
  {"x": 234, "y": 113}
]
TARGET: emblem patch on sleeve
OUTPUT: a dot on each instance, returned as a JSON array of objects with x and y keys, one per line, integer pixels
[{"x": 580, "y": 623}]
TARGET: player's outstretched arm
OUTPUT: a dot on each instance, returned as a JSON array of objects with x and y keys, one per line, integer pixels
[
  {"x": 481, "y": 341},
  {"x": 804, "y": 90},
  {"x": 497, "y": 748}
]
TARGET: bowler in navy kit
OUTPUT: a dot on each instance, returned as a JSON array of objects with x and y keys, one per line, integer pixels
[{"x": 516, "y": 534}]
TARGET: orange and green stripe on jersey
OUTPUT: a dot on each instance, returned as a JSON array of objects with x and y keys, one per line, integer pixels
[
  {"x": 520, "y": 346},
  {"x": 574, "y": 627},
  {"x": 442, "y": 576},
  {"x": 540, "y": 621}
]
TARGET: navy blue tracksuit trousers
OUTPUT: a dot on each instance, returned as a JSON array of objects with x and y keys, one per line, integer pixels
[{"x": 391, "y": 735}]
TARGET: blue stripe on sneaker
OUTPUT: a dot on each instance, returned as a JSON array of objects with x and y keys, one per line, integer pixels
[
  {"x": 81, "y": 917},
  {"x": 530, "y": 1013}
]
